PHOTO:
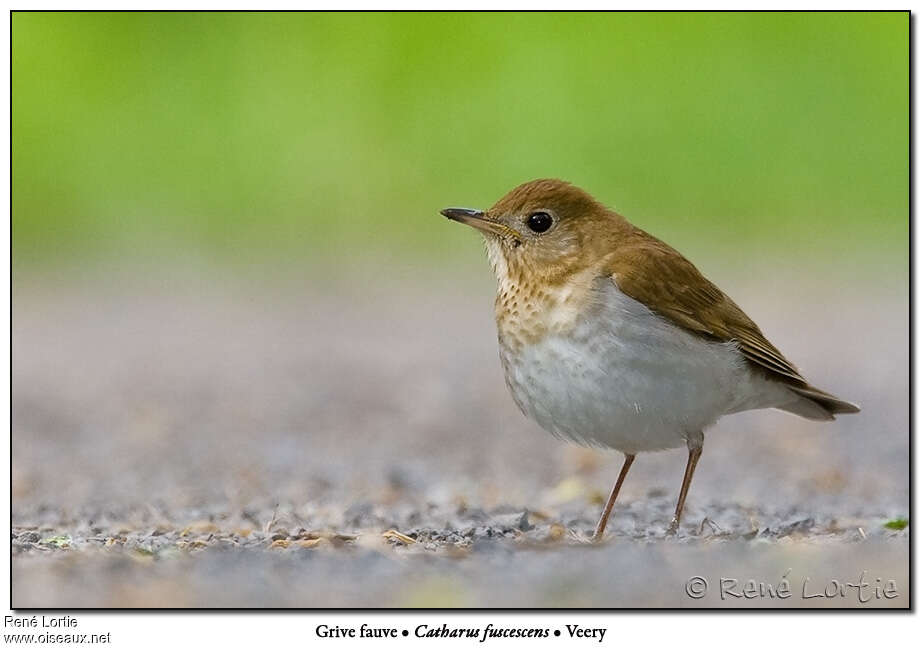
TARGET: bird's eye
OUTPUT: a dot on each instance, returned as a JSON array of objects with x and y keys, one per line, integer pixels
[{"x": 539, "y": 222}]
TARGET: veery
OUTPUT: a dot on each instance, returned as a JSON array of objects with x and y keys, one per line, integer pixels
[{"x": 609, "y": 337}]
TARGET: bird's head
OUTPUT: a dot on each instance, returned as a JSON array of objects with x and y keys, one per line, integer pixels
[{"x": 545, "y": 228}]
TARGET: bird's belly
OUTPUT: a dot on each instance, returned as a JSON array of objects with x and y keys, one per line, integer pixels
[{"x": 625, "y": 378}]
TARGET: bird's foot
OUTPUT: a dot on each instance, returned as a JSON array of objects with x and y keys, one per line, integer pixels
[{"x": 673, "y": 527}]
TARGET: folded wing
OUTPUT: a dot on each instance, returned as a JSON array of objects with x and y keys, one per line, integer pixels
[{"x": 658, "y": 276}]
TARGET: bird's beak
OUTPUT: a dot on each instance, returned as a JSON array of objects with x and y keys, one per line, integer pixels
[{"x": 478, "y": 219}]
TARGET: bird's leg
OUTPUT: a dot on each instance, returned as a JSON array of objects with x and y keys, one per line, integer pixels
[
  {"x": 603, "y": 521},
  {"x": 695, "y": 444}
]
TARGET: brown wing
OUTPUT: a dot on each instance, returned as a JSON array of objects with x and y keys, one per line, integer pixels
[{"x": 656, "y": 275}]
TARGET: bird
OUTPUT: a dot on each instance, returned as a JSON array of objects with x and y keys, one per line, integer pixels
[{"x": 608, "y": 337}]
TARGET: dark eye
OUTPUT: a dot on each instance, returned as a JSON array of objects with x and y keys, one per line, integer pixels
[{"x": 539, "y": 222}]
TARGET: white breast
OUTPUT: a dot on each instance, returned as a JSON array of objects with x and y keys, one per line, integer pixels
[{"x": 628, "y": 379}]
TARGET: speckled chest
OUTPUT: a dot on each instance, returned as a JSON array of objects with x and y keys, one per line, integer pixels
[{"x": 528, "y": 311}]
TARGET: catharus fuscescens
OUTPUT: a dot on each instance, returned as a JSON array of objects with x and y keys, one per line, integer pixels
[{"x": 609, "y": 337}]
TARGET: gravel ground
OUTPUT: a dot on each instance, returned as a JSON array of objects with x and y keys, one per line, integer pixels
[{"x": 184, "y": 441}]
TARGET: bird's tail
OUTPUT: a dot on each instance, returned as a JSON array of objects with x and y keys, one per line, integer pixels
[{"x": 813, "y": 403}]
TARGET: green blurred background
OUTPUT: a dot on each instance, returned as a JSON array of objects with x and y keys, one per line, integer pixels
[{"x": 247, "y": 138}]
